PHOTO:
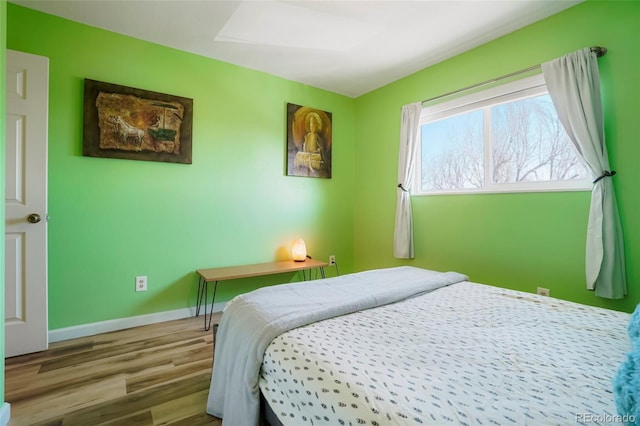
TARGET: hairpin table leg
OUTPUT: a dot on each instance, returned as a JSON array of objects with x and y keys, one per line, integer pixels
[{"x": 208, "y": 326}]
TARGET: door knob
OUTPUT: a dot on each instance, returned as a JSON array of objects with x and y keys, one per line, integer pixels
[{"x": 33, "y": 218}]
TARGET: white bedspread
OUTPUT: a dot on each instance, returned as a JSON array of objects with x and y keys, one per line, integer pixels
[
  {"x": 252, "y": 320},
  {"x": 466, "y": 354}
]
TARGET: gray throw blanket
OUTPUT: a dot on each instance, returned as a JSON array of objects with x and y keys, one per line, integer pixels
[{"x": 252, "y": 320}]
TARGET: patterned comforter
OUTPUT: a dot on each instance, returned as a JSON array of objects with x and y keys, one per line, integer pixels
[{"x": 466, "y": 354}]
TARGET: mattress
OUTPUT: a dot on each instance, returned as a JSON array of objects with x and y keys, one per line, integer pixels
[{"x": 465, "y": 354}]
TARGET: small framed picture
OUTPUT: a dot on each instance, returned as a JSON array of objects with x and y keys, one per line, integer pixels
[{"x": 308, "y": 142}]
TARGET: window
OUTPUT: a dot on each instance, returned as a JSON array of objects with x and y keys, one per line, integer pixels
[{"x": 504, "y": 139}]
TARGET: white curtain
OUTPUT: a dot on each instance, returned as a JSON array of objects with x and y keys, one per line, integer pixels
[
  {"x": 574, "y": 86},
  {"x": 409, "y": 135}
]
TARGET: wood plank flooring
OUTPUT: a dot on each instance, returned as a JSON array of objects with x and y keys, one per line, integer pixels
[{"x": 151, "y": 375}]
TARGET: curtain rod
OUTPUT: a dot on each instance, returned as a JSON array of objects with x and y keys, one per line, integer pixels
[{"x": 599, "y": 51}]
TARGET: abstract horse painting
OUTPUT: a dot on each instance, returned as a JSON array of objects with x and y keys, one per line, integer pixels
[{"x": 123, "y": 122}]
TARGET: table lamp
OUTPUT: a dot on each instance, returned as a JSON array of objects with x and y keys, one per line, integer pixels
[{"x": 299, "y": 250}]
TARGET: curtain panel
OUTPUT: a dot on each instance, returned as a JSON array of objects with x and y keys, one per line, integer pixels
[
  {"x": 573, "y": 82},
  {"x": 409, "y": 136}
]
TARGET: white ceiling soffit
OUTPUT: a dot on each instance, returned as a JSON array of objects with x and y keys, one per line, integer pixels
[
  {"x": 288, "y": 25},
  {"x": 347, "y": 47}
]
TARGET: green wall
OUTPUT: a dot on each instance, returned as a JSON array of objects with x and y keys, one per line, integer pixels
[
  {"x": 3, "y": 82},
  {"x": 111, "y": 220},
  {"x": 520, "y": 241}
]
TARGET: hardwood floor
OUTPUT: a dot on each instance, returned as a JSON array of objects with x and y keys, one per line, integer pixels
[{"x": 151, "y": 375}]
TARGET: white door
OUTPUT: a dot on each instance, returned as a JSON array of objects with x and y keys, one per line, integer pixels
[{"x": 26, "y": 204}]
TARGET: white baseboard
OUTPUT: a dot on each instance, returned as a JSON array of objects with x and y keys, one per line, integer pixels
[
  {"x": 83, "y": 330},
  {"x": 5, "y": 414}
]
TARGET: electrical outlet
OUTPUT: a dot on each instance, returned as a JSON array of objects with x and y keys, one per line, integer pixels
[
  {"x": 332, "y": 259},
  {"x": 543, "y": 291},
  {"x": 141, "y": 283}
]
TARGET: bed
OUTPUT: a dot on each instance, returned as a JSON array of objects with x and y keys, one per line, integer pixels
[{"x": 405, "y": 346}]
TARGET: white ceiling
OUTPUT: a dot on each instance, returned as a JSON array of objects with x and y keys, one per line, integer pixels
[{"x": 347, "y": 47}]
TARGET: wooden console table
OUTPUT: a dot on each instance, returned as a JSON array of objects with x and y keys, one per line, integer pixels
[{"x": 214, "y": 275}]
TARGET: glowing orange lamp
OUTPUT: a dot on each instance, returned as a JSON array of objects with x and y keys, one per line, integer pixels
[{"x": 299, "y": 250}]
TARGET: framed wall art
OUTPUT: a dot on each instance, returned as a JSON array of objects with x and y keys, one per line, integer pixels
[
  {"x": 136, "y": 124},
  {"x": 308, "y": 142}
]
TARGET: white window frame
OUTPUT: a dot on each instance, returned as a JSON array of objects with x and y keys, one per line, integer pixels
[{"x": 521, "y": 89}]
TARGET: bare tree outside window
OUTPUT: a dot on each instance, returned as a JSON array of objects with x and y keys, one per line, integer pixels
[
  {"x": 453, "y": 153},
  {"x": 523, "y": 139},
  {"x": 529, "y": 143}
]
